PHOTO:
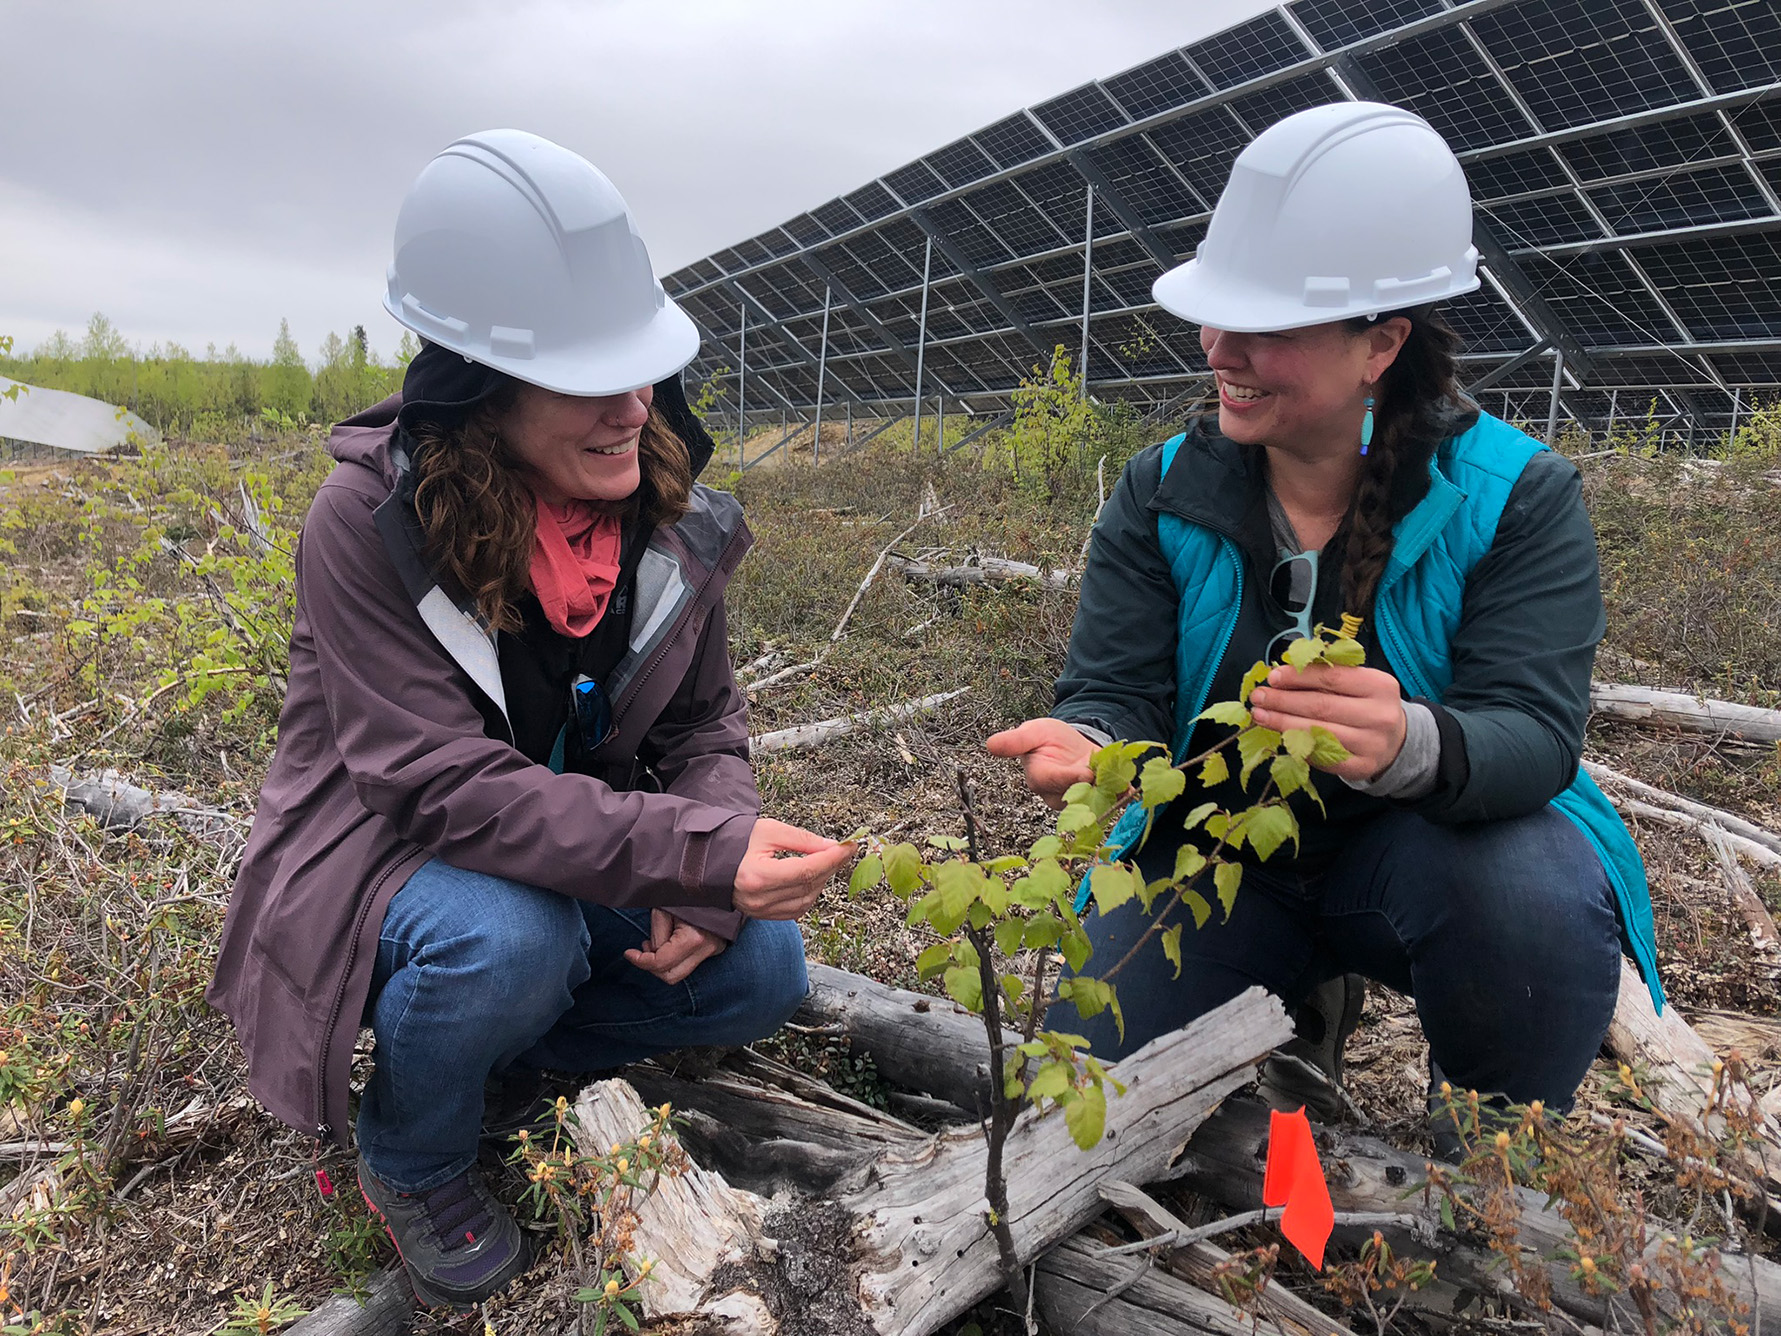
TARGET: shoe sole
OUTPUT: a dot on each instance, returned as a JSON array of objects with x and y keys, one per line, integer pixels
[{"x": 429, "y": 1296}]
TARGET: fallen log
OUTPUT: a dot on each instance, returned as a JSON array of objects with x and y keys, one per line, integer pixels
[
  {"x": 1085, "y": 1288},
  {"x": 827, "y": 730},
  {"x": 1665, "y": 816},
  {"x": 1693, "y": 714},
  {"x": 118, "y": 804},
  {"x": 1764, "y": 937},
  {"x": 985, "y": 570},
  {"x": 900, "y": 1243},
  {"x": 1726, "y": 821},
  {"x": 385, "y": 1309}
]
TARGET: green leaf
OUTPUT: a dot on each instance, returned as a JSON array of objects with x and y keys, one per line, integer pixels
[
  {"x": 1228, "y": 712},
  {"x": 1051, "y": 1081},
  {"x": 1162, "y": 782},
  {"x": 1215, "y": 771},
  {"x": 965, "y": 986},
  {"x": 1302, "y": 653},
  {"x": 1042, "y": 930},
  {"x": 1111, "y": 885},
  {"x": 1289, "y": 774},
  {"x": 1345, "y": 652},
  {"x": 1080, "y": 792},
  {"x": 1010, "y": 933},
  {"x": 958, "y": 885},
  {"x": 903, "y": 869},
  {"x": 1256, "y": 745},
  {"x": 1268, "y": 828},
  {"x": 1227, "y": 877},
  {"x": 1328, "y": 751},
  {"x": 1189, "y": 862},
  {"x": 866, "y": 875},
  {"x": 1046, "y": 846},
  {"x": 1006, "y": 863},
  {"x": 626, "y": 1316},
  {"x": 1257, "y": 674},
  {"x": 1076, "y": 817},
  {"x": 931, "y": 961},
  {"x": 1298, "y": 742},
  {"x": 1172, "y": 947},
  {"x": 1202, "y": 910},
  {"x": 1076, "y": 948},
  {"x": 1086, "y": 1117},
  {"x": 1198, "y": 815},
  {"x": 1090, "y": 997},
  {"x": 953, "y": 844}
]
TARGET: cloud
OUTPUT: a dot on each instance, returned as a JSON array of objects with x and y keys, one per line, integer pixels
[{"x": 198, "y": 169}]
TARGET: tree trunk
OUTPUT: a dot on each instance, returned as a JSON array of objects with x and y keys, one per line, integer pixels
[{"x": 1692, "y": 714}]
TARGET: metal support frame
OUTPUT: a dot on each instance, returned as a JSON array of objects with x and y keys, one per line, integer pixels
[
  {"x": 940, "y": 424},
  {"x": 1088, "y": 274},
  {"x": 999, "y": 420},
  {"x": 895, "y": 346},
  {"x": 921, "y": 336},
  {"x": 742, "y": 388},
  {"x": 1558, "y": 383},
  {"x": 822, "y": 367},
  {"x": 979, "y": 280},
  {"x": 1117, "y": 206},
  {"x": 1508, "y": 368}
]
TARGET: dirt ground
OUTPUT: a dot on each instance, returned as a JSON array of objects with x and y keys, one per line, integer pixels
[{"x": 191, "y": 1225}]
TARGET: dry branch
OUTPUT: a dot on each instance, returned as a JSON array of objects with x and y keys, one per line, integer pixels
[
  {"x": 1764, "y": 937},
  {"x": 1717, "y": 816},
  {"x": 386, "y": 1309},
  {"x": 1076, "y": 1284},
  {"x": 827, "y": 730},
  {"x": 117, "y": 804},
  {"x": 1693, "y": 714},
  {"x": 985, "y": 570}
]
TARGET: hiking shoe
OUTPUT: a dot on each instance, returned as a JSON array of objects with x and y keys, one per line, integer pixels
[
  {"x": 458, "y": 1243},
  {"x": 524, "y": 1099},
  {"x": 1307, "y": 1070}
]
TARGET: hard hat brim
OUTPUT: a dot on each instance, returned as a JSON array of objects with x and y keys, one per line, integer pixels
[
  {"x": 611, "y": 366},
  {"x": 1197, "y": 294}
]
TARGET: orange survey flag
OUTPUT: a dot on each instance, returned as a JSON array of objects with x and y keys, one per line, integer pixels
[{"x": 1294, "y": 1179}]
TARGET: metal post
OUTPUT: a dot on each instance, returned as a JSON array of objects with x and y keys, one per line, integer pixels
[
  {"x": 742, "y": 388},
  {"x": 921, "y": 337},
  {"x": 849, "y": 422},
  {"x": 1558, "y": 377},
  {"x": 1613, "y": 412},
  {"x": 822, "y": 366},
  {"x": 1732, "y": 435},
  {"x": 940, "y": 423},
  {"x": 1088, "y": 264}
]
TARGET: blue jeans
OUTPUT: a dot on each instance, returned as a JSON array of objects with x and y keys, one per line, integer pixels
[
  {"x": 1505, "y": 933},
  {"x": 477, "y": 973}
]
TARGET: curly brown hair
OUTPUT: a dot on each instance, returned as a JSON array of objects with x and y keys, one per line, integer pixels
[{"x": 479, "y": 516}]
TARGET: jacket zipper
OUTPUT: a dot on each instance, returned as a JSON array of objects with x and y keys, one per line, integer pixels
[{"x": 661, "y": 652}]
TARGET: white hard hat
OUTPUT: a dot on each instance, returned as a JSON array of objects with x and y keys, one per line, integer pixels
[
  {"x": 520, "y": 254},
  {"x": 1345, "y": 210}
]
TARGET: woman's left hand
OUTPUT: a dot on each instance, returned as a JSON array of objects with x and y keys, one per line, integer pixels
[
  {"x": 1363, "y": 707},
  {"x": 675, "y": 949}
]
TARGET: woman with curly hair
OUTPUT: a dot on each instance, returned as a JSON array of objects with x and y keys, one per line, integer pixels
[{"x": 511, "y": 824}]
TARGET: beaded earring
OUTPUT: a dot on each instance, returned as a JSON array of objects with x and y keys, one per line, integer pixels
[{"x": 1366, "y": 427}]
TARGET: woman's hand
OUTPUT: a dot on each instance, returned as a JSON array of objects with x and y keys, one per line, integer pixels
[
  {"x": 1053, "y": 754},
  {"x": 1363, "y": 707},
  {"x": 785, "y": 869},
  {"x": 675, "y": 948}
]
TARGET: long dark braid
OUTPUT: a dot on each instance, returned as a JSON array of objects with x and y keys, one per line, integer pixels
[{"x": 1419, "y": 387}]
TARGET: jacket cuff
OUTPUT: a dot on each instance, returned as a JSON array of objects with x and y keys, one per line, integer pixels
[
  {"x": 725, "y": 923},
  {"x": 708, "y": 867},
  {"x": 1417, "y": 768},
  {"x": 1454, "y": 769}
]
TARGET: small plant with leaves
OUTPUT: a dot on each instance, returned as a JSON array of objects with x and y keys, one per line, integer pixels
[
  {"x": 593, "y": 1201},
  {"x": 258, "y": 1314},
  {"x": 987, "y": 909}
]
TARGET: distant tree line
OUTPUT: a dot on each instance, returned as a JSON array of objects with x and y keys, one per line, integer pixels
[{"x": 215, "y": 396}]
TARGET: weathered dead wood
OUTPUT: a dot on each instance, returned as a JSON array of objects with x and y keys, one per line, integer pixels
[
  {"x": 1678, "y": 1077},
  {"x": 1692, "y": 714},
  {"x": 1764, "y": 937},
  {"x": 904, "y": 1239},
  {"x": 1198, "y": 1262},
  {"x": 1666, "y": 816},
  {"x": 1225, "y": 1160},
  {"x": 118, "y": 804},
  {"x": 386, "y": 1310},
  {"x": 1074, "y": 1280},
  {"x": 984, "y": 570},
  {"x": 916, "y": 1041},
  {"x": 1726, "y": 821},
  {"x": 827, "y": 730}
]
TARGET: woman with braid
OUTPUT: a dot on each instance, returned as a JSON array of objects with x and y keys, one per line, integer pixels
[{"x": 1458, "y": 855}]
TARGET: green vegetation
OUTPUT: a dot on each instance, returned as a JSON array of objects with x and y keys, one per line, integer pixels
[{"x": 217, "y": 396}]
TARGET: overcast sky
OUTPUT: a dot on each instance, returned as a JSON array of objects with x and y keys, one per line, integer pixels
[{"x": 198, "y": 169}]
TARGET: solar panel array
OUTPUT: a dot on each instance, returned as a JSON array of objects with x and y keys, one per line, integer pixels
[{"x": 1624, "y": 157}]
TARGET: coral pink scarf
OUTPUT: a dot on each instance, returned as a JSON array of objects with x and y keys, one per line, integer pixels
[{"x": 574, "y": 565}]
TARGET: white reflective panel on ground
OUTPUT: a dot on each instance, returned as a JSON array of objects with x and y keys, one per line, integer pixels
[{"x": 68, "y": 421}]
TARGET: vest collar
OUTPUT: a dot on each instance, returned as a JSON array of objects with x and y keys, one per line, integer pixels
[{"x": 1413, "y": 535}]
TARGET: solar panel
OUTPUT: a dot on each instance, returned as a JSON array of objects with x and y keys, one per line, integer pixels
[{"x": 1625, "y": 155}]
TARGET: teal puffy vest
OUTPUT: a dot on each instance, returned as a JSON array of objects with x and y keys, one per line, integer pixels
[{"x": 1415, "y": 613}]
